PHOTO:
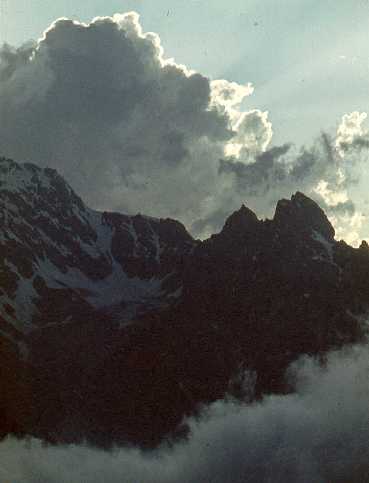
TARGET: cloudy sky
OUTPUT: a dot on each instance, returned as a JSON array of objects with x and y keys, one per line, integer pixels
[
  {"x": 133, "y": 132},
  {"x": 308, "y": 60}
]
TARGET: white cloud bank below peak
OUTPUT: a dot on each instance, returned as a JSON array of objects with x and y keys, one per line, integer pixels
[{"x": 319, "y": 434}]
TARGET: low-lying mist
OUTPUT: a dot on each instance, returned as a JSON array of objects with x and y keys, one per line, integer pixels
[{"x": 318, "y": 434}]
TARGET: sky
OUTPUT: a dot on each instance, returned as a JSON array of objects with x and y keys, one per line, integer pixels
[
  {"x": 308, "y": 60},
  {"x": 131, "y": 136}
]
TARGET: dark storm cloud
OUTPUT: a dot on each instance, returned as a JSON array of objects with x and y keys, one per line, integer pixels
[
  {"x": 99, "y": 103},
  {"x": 134, "y": 132},
  {"x": 318, "y": 434},
  {"x": 256, "y": 176}
]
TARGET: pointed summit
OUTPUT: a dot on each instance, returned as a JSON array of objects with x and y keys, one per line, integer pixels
[
  {"x": 303, "y": 214},
  {"x": 241, "y": 221}
]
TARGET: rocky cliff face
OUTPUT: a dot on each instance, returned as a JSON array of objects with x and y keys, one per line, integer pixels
[
  {"x": 124, "y": 324},
  {"x": 276, "y": 289},
  {"x": 60, "y": 261}
]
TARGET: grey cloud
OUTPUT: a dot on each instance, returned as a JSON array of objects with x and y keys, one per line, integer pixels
[
  {"x": 281, "y": 170},
  {"x": 211, "y": 223},
  {"x": 304, "y": 168},
  {"x": 135, "y": 133},
  {"x": 256, "y": 176},
  {"x": 320, "y": 433},
  {"x": 277, "y": 173},
  {"x": 11, "y": 59},
  {"x": 345, "y": 208},
  {"x": 358, "y": 143},
  {"x": 126, "y": 129}
]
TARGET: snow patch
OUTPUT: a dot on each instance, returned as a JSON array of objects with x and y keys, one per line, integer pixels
[{"x": 114, "y": 289}]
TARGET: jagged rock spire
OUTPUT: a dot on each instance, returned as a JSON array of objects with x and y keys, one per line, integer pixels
[
  {"x": 303, "y": 214},
  {"x": 241, "y": 220}
]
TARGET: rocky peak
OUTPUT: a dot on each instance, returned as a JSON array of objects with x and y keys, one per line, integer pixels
[
  {"x": 174, "y": 232},
  {"x": 241, "y": 221},
  {"x": 302, "y": 214},
  {"x": 60, "y": 260},
  {"x": 29, "y": 184}
]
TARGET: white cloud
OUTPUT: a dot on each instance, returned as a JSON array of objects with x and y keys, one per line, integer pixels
[
  {"x": 350, "y": 128},
  {"x": 320, "y": 433},
  {"x": 331, "y": 198},
  {"x": 254, "y": 133}
]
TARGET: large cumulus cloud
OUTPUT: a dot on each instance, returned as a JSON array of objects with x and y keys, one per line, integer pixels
[
  {"x": 128, "y": 129},
  {"x": 318, "y": 434},
  {"x": 134, "y": 131}
]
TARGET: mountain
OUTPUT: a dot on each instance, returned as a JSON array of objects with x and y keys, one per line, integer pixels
[
  {"x": 116, "y": 327},
  {"x": 60, "y": 261}
]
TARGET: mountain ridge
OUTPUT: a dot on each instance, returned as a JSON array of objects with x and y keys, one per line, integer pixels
[
  {"x": 49, "y": 232},
  {"x": 135, "y": 325},
  {"x": 50, "y": 240}
]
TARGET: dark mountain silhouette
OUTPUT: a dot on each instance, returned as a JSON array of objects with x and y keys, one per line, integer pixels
[
  {"x": 115, "y": 327},
  {"x": 61, "y": 261}
]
